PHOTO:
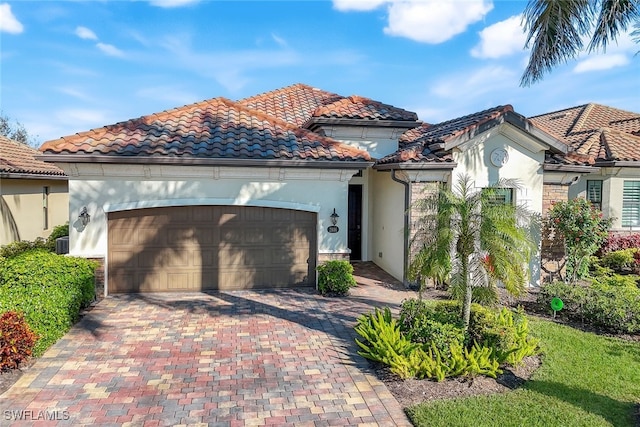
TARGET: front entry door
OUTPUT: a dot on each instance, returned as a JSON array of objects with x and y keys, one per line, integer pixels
[{"x": 355, "y": 222}]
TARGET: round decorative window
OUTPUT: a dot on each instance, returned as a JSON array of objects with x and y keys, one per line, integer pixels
[{"x": 499, "y": 157}]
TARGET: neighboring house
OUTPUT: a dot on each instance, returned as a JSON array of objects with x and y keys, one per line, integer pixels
[
  {"x": 223, "y": 194},
  {"x": 607, "y": 142},
  {"x": 33, "y": 194}
]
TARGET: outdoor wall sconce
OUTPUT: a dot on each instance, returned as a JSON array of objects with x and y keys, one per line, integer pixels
[
  {"x": 334, "y": 220},
  {"x": 84, "y": 217},
  {"x": 334, "y": 217}
]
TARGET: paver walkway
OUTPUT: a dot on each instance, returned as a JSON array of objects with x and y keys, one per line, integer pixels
[{"x": 238, "y": 358}]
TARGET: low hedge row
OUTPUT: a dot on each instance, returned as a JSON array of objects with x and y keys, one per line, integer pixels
[
  {"x": 610, "y": 304},
  {"x": 49, "y": 289}
]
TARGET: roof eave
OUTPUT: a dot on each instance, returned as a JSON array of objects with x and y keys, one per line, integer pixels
[
  {"x": 570, "y": 168},
  {"x": 416, "y": 166},
  {"x": 619, "y": 163},
  {"x": 513, "y": 119},
  {"x": 315, "y": 122},
  {"x": 184, "y": 161},
  {"x": 27, "y": 175}
]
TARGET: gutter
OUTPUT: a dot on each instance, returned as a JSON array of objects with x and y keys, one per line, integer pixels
[
  {"x": 405, "y": 255},
  {"x": 26, "y": 175},
  {"x": 415, "y": 166},
  {"x": 571, "y": 168},
  {"x": 150, "y": 160}
]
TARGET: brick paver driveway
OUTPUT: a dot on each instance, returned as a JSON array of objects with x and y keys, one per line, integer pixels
[{"x": 231, "y": 359}]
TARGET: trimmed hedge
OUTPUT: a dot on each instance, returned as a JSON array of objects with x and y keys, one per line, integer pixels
[
  {"x": 615, "y": 307},
  {"x": 335, "y": 278},
  {"x": 49, "y": 289}
]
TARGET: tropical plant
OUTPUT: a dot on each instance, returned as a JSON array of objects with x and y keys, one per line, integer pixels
[
  {"x": 556, "y": 30},
  {"x": 583, "y": 230},
  {"x": 482, "y": 239}
]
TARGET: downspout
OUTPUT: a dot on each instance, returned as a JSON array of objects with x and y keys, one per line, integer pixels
[{"x": 405, "y": 255}]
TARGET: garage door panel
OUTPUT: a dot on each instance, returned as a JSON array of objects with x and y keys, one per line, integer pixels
[{"x": 210, "y": 247}]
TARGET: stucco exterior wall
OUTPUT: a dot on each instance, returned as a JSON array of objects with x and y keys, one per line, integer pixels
[
  {"x": 107, "y": 188},
  {"x": 21, "y": 208},
  {"x": 612, "y": 189},
  {"x": 524, "y": 164},
  {"x": 388, "y": 207}
]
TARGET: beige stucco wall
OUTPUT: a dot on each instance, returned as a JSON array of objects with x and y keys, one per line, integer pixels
[
  {"x": 387, "y": 217},
  {"x": 612, "y": 188},
  {"x": 524, "y": 164},
  {"x": 107, "y": 188},
  {"x": 21, "y": 208}
]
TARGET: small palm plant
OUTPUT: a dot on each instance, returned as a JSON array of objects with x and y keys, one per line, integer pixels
[{"x": 470, "y": 235}]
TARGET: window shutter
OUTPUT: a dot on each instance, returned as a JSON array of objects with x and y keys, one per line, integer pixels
[{"x": 631, "y": 204}]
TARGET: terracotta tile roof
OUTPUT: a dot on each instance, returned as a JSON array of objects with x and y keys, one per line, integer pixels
[
  {"x": 596, "y": 131},
  {"x": 17, "y": 158},
  {"x": 426, "y": 143},
  {"x": 212, "y": 129},
  {"x": 299, "y": 104},
  {"x": 294, "y": 104},
  {"x": 357, "y": 107}
]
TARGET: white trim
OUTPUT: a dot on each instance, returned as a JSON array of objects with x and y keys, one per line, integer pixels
[{"x": 143, "y": 204}]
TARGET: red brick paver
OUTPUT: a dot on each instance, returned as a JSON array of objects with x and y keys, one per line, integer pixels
[{"x": 240, "y": 358}]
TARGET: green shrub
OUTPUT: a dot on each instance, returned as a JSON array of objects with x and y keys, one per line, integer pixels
[
  {"x": 49, "y": 289},
  {"x": 623, "y": 280},
  {"x": 335, "y": 278},
  {"x": 485, "y": 295},
  {"x": 16, "y": 248},
  {"x": 619, "y": 261},
  {"x": 616, "y": 308},
  {"x": 422, "y": 323},
  {"x": 57, "y": 232},
  {"x": 16, "y": 340},
  {"x": 383, "y": 340}
]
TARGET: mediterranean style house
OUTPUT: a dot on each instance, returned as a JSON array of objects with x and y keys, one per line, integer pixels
[
  {"x": 33, "y": 194},
  {"x": 226, "y": 194}
]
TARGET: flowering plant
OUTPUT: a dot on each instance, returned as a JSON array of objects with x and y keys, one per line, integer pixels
[{"x": 584, "y": 230}]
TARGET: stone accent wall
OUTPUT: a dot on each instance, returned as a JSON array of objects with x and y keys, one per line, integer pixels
[
  {"x": 553, "y": 193},
  {"x": 99, "y": 278},
  {"x": 333, "y": 256},
  {"x": 552, "y": 251},
  {"x": 418, "y": 191}
]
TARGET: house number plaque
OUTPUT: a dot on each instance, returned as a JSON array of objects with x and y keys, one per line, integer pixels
[{"x": 333, "y": 229}]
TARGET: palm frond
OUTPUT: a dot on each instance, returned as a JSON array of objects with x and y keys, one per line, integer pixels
[
  {"x": 614, "y": 18},
  {"x": 556, "y": 28}
]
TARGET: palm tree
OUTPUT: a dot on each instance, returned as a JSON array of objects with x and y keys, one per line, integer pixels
[
  {"x": 556, "y": 29},
  {"x": 480, "y": 240}
]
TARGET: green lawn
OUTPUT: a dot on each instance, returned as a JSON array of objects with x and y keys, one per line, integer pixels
[{"x": 585, "y": 380}]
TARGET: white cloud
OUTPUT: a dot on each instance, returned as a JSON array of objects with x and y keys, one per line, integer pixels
[
  {"x": 172, "y": 3},
  {"x": 109, "y": 49},
  {"x": 357, "y": 5},
  {"x": 282, "y": 42},
  {"x": 8, "y": 22},
  {"x": 434, "y": 21},
  {"x": 85, "y": 33},
  {"x": 475, "y": 84},
  {"x": 75, "y": 93},
  {"x": 501, "y": 39},
  {"x": 601, "y": 62}
]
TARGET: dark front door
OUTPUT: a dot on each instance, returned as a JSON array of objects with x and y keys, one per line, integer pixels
[{"x": 355, "y": 222}]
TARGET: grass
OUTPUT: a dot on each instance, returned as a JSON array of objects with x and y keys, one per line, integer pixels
[{"x": 585, "y": 380}]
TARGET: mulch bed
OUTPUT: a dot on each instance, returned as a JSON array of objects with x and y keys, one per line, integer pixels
[
  {"x": 412, "y": 391},
  {"x": 9, "y": 377}
]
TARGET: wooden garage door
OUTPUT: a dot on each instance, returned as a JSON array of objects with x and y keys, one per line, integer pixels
[{"x": 193, "y": 248}]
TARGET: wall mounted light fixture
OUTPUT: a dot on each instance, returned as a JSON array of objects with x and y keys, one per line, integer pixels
[
  {"x": 334, "y": 217},
  {"x": 84, "y": 217}
]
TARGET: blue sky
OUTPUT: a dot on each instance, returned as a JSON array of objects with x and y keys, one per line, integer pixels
[{"x": 70, "y": 66}]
